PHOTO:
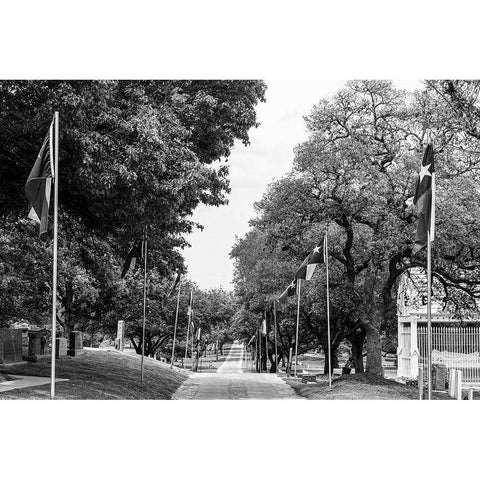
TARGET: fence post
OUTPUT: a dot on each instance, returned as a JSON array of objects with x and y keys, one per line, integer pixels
[
  {"x": 458, "y": 385},
  {"x": 413, "y": 348},
  {"x": 451, "y": 381},
  {"x": 420, "y": 383}
]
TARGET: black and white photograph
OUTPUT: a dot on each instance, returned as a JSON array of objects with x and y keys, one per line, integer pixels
[
  {"x": 244, "y": 259},
  {"x": 158, "y": 242}
]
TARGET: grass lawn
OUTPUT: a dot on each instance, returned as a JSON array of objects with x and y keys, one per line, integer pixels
[
  {"x": 99, "y": 375},
  {"x": 359, "y": 387},
  {"x": 205, "y": 365}
]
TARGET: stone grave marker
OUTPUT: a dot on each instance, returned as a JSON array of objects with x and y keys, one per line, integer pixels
[
  {"x": 60, "y": 347},
  {"x": 120, "y": 340},
  {"x": 37, "y": 346},
  {"x": 11, "y": 350},
  {"x": 76, "y": 344}
]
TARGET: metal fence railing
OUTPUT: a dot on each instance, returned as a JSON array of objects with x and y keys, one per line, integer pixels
[{"x": 453, "y": 346}]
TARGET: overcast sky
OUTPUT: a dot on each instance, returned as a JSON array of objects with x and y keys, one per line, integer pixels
[{"x": 269, "y": 156}]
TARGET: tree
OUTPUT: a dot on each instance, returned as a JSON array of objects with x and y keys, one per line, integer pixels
[
  {"x": 132, "y": 153},
  {"x": 355, "y": 175}
]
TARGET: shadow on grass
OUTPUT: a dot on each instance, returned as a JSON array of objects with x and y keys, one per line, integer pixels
[{"x": 102, "y": 374}]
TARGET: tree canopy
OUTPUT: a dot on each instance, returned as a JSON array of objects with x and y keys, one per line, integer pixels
[
  {"x": 355, "y": 177},
  {"x": 132, "y": 154}
]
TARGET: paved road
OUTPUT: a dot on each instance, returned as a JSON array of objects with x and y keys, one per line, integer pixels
[{"x": 231, "y": 382}]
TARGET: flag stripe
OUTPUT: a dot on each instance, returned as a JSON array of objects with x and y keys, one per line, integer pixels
[
  {"x": 39, "y": 182},
  {"x": 424, "y": 200}
]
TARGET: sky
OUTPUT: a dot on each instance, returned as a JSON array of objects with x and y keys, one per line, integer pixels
[{"x": 268, "y": 157}]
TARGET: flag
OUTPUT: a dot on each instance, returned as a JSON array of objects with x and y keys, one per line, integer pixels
[
  {"x": 424, "y": 200},
  {"x": 264, "y": 327},
  {"x": 39, "y": 183},
  {"x": 175, "y": 283},
  {"x": 314, "y": 258},
  {"x": 288, "y": 292},
  {"x": 190, "y": 305},
  {"x": 135, "y": 253}
]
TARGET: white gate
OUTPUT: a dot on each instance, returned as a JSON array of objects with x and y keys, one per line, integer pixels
[{"x": 453, "y": 346}]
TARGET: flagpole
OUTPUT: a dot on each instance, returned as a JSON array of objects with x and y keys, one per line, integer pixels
[
  {"x": 429, "y": 314},
  {"x": 193, "y": 335},
  {"x": 328, "y": 313},
  {"x": 298, "y": 321},
  {"x": 275, "y": 333},
  {"x": 266, "y": 344},
  {"x": 176, "y": 320},
  {"x": 55, "y": 256},
  {"x": 144, "y": 301},
  {"x": 260, "y": 349},
  {"x": 186, "y": 343}
]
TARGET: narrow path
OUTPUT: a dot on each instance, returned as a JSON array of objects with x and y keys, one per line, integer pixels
[{"x": 230, "y": 382}]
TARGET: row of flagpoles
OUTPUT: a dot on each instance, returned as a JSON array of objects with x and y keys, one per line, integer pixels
[
  {"x": 305, "y": 272},
  {"x": 45, "y": 172},
  {"x": 424, "y": 201}
]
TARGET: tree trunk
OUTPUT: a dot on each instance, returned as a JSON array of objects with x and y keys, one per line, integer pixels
[
  {"x": 357, "y": 340},
  {"x": 195, "y": 362},
  {"x": 264, "y": 362},
  {"x": 372, "y": 320},
  {"x": 333, "y": 352},
  {"x": 374, "y": 349},
  {"x": 273, "y": 364}
]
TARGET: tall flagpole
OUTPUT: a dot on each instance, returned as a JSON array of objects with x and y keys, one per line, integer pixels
[
  {"x": 275, "y": 333},
  {"x": 298, "y": 321},
  {"x": 260, "y": 348},
  {"x": 144, "y": 301},
  {"x": 176, "y": 320},
  {"x": 55, "y": 254},
  {"x": 186, "y": 344},
  {"x": 429, "y": 315},
  {"x": 193, "y": 334},
  {"x": 266, "y": 344},
  {"x": 328, "y": 312}
]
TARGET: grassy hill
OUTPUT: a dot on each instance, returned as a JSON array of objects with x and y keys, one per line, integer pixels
[
  {"x": 97, "y": 375},
  {"x": 359, "y": 387}
]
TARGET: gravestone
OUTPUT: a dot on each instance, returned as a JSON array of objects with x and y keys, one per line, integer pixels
[
  {"x": 10, "y": 345},
  {"x": 309, "y": 378},
  {"x": 439, "y": 376},
  {"x": 76, "y": 344},
  {"x": 120, "y": 340},
  {"x": 37, "y": 346},
  {"x": 60, "y": 347}
]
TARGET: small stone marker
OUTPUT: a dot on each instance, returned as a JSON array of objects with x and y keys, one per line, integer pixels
[
  {"x": 439, "y": 376},
  {"x": 76, "y": 344},
  {"x": 309, "y": 378},
  {"x": 60, "y": 347},
  {"x": 11, "y": 349},
  {"x": 120, "y": 340},
  {"x": 37, "y": 346}
]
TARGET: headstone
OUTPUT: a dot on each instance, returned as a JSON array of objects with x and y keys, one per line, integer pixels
[
  {"x": 60, "y": 347},
  {"x": 439, "y": 376},
  {"x": 76, "y": 344},
  {"x": 37, "y": 346},
  {"x": 120, "y": 340},
  {"x": 11, "y": 345},
  {"x": 309, "y": 378}
]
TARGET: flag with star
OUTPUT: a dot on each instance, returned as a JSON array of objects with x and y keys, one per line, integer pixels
[
  {"x": 288, "y": 292},
  {"x": 424, "y": 200},
  {"x": 190, "y": 306},
  {"x": 39, "y": 182},
  {"x": 136, "y": 252},
  {"x": 264, "y": 327},
  {"x": 314, "y": 258}
]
